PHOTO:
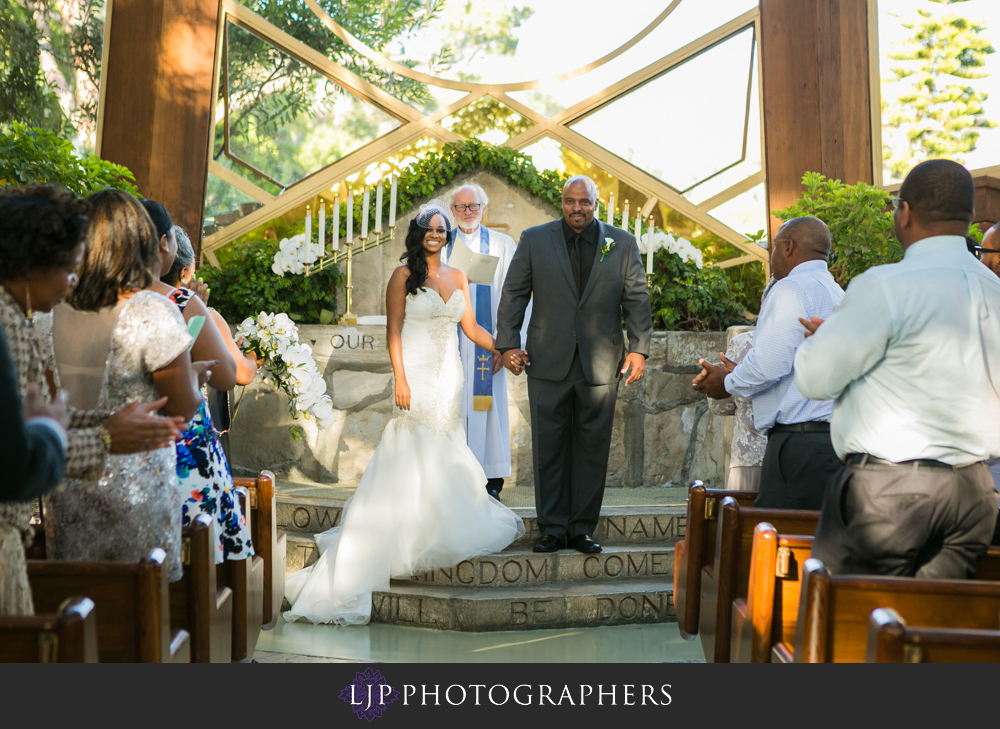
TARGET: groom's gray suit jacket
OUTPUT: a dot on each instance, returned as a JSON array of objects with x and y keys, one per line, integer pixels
[{"x": 562, "y": 318}]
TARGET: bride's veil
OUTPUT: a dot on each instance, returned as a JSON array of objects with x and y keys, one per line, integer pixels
[{"x": 433, "y": 207}]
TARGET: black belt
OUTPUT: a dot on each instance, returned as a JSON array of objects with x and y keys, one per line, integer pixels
[
  {"x": 811, "y": 426},
  {"x": 864, "y": 458}
]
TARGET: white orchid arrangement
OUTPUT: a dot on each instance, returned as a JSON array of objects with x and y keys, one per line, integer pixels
[
  {"x": 292, "y": 257},
  {"x": 289, "y": 364},
  {"x": 665, "y": 241}
]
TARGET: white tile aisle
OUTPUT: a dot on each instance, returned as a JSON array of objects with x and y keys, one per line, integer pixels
[{"x": 306, "y": 643}]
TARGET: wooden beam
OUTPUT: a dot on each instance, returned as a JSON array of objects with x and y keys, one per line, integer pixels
[
  {"x": 816, "y": 94},
  {"x": 156, "y": 107}
]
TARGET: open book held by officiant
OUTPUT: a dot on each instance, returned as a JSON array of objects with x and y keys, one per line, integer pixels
[{"x": 478, "y": 267}]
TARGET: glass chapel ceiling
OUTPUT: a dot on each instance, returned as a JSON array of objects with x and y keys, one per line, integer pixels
[{"x": 687, "y": 130}]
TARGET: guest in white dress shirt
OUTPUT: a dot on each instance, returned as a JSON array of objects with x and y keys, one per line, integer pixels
[
  {"x": 912, "y": 357},
  {"x": 799, "y": 458},
  {"x": 484, "y": 398},
  {"x": 989, "y": 253}
]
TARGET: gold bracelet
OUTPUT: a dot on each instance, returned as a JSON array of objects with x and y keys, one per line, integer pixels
[{"x": 105, "y": 437}]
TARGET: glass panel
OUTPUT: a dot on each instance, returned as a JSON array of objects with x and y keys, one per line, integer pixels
[
  {"x": 653, "y": 129},
  {"x": 487, "y": 119},
  {"x": 224, "y": 205},
  {"x": 287, "y": 120},
  {"x": 398, "y": 161},
  {"x": 749, "y": 166},
  {"x": 548, "y": 154},
  {"x": 500, "y": 41},
  {"x": 746, "y": 213},
  {"x": 688, "y": 22}
]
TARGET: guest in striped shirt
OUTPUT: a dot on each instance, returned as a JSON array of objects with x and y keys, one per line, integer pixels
[{"x": 799, "y": 458}]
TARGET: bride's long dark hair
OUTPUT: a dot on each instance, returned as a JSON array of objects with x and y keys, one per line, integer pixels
[{"x": 414, "y": 256}]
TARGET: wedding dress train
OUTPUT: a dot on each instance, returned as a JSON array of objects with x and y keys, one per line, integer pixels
[{"x": 422, "y": 502}]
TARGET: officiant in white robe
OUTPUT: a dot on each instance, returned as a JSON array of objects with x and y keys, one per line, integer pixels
[{"x": 487, "y": 430}]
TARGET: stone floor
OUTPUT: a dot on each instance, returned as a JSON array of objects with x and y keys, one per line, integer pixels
[{"x": 306, "y": 643}]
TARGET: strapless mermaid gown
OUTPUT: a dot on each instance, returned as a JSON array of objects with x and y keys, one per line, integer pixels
[{"x": 421, "y": 503}]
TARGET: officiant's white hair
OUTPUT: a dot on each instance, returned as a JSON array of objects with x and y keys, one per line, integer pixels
[
  {"x": 589, "y": 183},
  {"x": 481, "y": 195}
]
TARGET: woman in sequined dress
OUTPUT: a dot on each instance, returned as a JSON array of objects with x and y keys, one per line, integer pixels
[
  {"x": 204, "y": 479},
  {"x": 114, "y": 342},
  {"x": 422, "y": 503}
]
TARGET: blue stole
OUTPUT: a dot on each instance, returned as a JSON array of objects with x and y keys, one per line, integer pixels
[{"x": 482, "y": 380}]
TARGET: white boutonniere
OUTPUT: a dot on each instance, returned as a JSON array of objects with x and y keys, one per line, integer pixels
[{"x": 609, "y": 243}]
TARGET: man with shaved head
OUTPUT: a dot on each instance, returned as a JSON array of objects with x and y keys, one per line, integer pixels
[
  {"x": 799, "y": 458},
  {"x": 912, "y": 357}
]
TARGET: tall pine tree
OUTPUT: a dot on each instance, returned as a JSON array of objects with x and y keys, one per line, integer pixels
[{"x": 938, "y": 112}]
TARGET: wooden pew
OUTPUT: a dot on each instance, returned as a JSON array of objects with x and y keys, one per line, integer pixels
[
  {"x": 697, "y": 550},
  {"x": 68, "y": 636},
  {"x": 769, "y": 611},
  {"x": 132, "y": 604},
  {"x": 727, "y": 578},
  {"x": 834, "y": 610},
  {"x": 197, "y": 605},
  {"x": 245, "y": 577},
  {"x": 891, "y": 640},
  {"x": 268, "y": 542}
]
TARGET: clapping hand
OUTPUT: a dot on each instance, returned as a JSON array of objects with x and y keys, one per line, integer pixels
[
  {"x": 200, "y": 289},
  {"x": 204, "y": 370},
  {"x": 712, "y": 378},
  {"x": 56, "y": 410},
  {"x": 137, "y": 427},
  {"x": 811, "y": 324}
]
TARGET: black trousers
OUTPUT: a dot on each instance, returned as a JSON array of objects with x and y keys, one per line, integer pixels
[
  {"x": 571, "y": 440},
  {"x": 908, "y": 521},
  {"x": 796, "y": 470}
]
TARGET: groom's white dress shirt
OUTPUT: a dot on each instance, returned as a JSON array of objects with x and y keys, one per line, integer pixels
[
  {"x": 767, "y": 373},
  {"x": 912, "y": 357}
]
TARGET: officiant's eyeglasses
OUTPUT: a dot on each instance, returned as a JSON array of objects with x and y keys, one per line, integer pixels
[{"x": 474, "y": 207}]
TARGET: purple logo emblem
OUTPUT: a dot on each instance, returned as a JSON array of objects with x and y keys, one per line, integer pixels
[{"x": 369, "y": 694}]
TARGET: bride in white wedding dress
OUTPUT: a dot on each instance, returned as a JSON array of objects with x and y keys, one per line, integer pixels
[{"x": 421, "y": 503}]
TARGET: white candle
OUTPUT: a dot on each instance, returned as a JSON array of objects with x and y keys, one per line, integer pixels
[
  {"x": 350, "y": 218},
  {"x": 378, "y": 208},
  {"x": 649, "y": 249},
  {"x": 392, "y": 202},
  {"x": 638, "y": 225},
  {"x": 611, "y": 209},
  {"x": 335, "y": 232},
  {"x": 364, "y": 214},
  {"x": 625, "y": 216},
  {"x": 322, "y": 228},
  {"x": 309, "y": 229}
]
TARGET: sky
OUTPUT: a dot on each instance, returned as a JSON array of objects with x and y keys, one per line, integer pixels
[{"x": 689, "y": 123}]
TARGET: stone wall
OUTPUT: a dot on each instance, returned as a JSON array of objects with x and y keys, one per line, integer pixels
[{"x": 663, "y": 433}]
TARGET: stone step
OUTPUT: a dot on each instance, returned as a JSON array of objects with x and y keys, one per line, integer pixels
[
  {"x": 520, "y": 567},
  {"x": 525, "y": 608},
  {"x": 617, "y": 525}
]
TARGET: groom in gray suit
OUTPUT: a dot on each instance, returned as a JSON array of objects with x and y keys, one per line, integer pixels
[{"x": 583, "y": 276}]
